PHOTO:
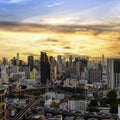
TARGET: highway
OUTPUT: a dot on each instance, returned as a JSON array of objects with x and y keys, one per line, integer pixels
[
  {"x": 34, "y": 89},
  {"x": 23, "y": 112}
]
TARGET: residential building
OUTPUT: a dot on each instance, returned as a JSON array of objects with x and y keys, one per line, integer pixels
[
  {"x": 2, "y": 103},
  {"x": 94, "y": 76},
  {"x": 77, "y": 105},
  {"x": 113, "y": 73}
]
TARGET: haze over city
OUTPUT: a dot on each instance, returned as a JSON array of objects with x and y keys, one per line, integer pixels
[{"x": 59, "y": 27}]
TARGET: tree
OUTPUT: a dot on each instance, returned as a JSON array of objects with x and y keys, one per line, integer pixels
[
  {"x": 104, "y": 102},
  {"x": 112, "y": 95},
  {"x": 93, "y": 109},
  {"x": 93, "y": 103}
]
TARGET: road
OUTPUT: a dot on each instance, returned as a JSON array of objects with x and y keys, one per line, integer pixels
[{"x": 23, "y": 112}]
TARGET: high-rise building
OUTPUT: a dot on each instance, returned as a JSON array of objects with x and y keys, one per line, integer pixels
[
  {"x": 31, "y": 62},
  {"x": 20, "y": 62},
  {"x": 70, "y": 63},
  {"x": 52, "y": 68},
  {"x": 0, "y": 72},
  {"x": 4, "y": 62},
  {"x": 59, "y": 66},
  {"x": 78, "y": 69},
  {"x": 94, "y": 76},
  {"x": 18, "y": 56},
  {"x": 113, "y": 73},
  {"x": 103, "y": 64},
  {"x": 84, "y": 62},
  {"x": 70, "y": 59},
  {"x": 14, "y": 61},
  {"x": 26, "y": 69},
  {"x": 2, "y": 103},
  {"x": 59, "y": 70},
  {"x": 59, "y": 59},
  {"x": 44, "y": 68}
]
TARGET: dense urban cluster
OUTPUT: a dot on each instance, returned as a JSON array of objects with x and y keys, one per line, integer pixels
[{"x": 62, "y": 88}]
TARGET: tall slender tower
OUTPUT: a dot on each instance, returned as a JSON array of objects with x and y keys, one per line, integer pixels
[
  {"x": 31, "y": 62},
  {"x": 18, "y": 56},
  {"x": 113, "y": 73},
  {"x": 103, "y": 64}
]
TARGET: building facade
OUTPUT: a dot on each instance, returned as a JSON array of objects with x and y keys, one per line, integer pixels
[
  {"x": 113, "y": 73},
  {"x": 94, "y": 76},
  {"x": 31, "y": 62},
  {"x": 77, "y": 105},
  {"x": 2, "y": 104},
  {"x": 44, "y": 68}
]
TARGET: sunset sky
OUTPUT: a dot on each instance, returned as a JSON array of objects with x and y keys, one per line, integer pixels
[{"x": 65, "y": 27}]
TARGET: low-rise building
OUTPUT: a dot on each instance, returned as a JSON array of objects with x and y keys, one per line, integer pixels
[
  {"x": 54, "y": 95},
  {"x": 77, "y": 105}
]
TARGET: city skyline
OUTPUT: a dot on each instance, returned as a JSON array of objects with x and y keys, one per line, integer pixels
[{"x": 76, "y": 27}]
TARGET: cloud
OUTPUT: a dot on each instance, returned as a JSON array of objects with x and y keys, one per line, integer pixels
[
  {"x": 55, "y": 4},
  {"x": 53, "y": 20},
  {"x": 61, "y": 39},
  {"x": 51, "y": 40},
  {"x": 66, "y": 47},
  {"x": 30, "y": 54},
  {"x": 66, "y": 29}
]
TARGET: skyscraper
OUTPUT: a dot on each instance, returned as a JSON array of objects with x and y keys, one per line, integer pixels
[
  {"x": 59, "y": 59},
  {"x": 44, "y": 68},
  {"x": 31, "y": 62},
  {"x": 113, "y": 73},
  {"x": 14, "y": 61},
  {"x": 18, "y": 56},
  {"x": 52, "y": 69},
  {"x": 94, "y": 76}
]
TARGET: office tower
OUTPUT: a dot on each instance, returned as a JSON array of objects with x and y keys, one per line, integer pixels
[
  {"x": 18, "y": 56},
  {"x": 94, "y": 76},
  {"x": 84, "y": 62},
  {"x": 45, "y": 68},
  {"x": 113, "y": 73},
  {"x": 20, "y": 62},
  {"x": 31, "y": 62},
  {"x": 59, "y": 59},
  {"x": 103, "y": 64},
  {"x": 4, "y": 62},
  {"x": 14, "y": 61},
  {"x": 52, "y": 68},
  {"x": 70, "y": 63},
  {"x": 59, "y": 67},
  {"x": 70, "y": 59},
  {"x": 26, "y": 69},
  {"x": 78, "y": 69}
]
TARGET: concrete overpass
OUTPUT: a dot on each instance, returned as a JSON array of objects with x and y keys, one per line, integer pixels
[{"x": 33, "y": 90}]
